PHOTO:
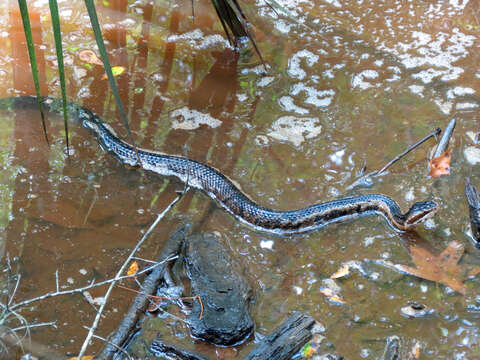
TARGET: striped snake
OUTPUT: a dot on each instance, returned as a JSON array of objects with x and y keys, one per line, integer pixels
[{"x": 221, "y": 189}]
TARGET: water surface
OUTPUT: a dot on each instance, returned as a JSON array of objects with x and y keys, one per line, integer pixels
[{"x": 353, "y": 83}]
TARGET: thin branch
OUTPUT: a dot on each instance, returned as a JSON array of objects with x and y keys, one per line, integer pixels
[
  {"x": 367, "y": 178},
  {"x": 89, "y": 299},
  {"x": 122, "y": 269},
  {"x": 4, "y": 347},
  {"x": 410, "y": 148},
  {"x": 51, "y": 323},
  {"x": 88, "y": 287},
  {"x": 17, "y": 340},
  {"x": 14, "y": 290},
  {"x": 155, "y": 297},
  {"x": 139, "y": 304},
  {"x": 56, "y": 280},
  {"x": 21, "y": 319},
  {"x": 109, "y": 342},
  {"x": 37, "y": 349},
  {"x": 144, "y": 260}
]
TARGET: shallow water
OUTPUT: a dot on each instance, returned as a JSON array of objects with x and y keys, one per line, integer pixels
[{"x": 354, "y": 84}]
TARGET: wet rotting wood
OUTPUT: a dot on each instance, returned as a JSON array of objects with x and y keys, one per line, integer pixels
[
  {"x": 285, "y": 340},
  {"x": 161, "y": 349},
  {"x": 140, "y": 303},
  {"x": 473, "y": 200},
  {"x": 217, "y": 277}
]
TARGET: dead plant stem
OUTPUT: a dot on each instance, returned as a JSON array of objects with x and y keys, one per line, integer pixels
[
  {"x": 122, "y": 269},
  {"x": 88, "y": 287}
]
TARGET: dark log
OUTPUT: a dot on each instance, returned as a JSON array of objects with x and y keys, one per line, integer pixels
[
  {"x": 162, "y": 349},
  {"x": 285, "y": 340},
  {"x": 140, "y": 303},
  {"x": 217, "y": 277}
]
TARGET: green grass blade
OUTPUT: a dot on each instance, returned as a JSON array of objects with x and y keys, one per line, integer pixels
[
  {"x": 61, "y": 69},
  {"x": 22, "y": 4},
  {"x": 108, "y": 69}
]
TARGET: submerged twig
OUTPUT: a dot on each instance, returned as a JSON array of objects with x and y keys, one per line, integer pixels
[{"x": 122, "y": 269}]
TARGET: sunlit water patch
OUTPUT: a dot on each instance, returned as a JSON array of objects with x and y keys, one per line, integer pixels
[{"x": 344, "y": 95}]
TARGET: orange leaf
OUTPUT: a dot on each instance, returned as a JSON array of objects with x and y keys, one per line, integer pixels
[
  {"x": 87, "y": 357},
  {"x": 90, "y": 57},
  {"x": 442, "y": 268},
  {"x": 132, "y": 270},
  {"x": 343, "y": 271},
  {"x": 440, "y": 165},
  {"x": 332, "y": 296}
]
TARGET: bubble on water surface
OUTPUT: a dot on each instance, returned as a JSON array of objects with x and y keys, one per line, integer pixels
[{"x": 472, "y": 155}]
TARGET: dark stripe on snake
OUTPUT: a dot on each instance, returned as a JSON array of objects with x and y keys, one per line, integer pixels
[{"x": 220, "y": 188}]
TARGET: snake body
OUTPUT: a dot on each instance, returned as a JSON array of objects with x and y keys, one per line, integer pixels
[{"x": 220, "y": 188}]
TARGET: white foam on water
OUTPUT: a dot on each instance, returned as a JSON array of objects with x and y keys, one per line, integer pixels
[
  {"x": 295, "y": 130},
  {"x": 472, "y": 155},
  {"x": 189, "y": 119},
  {"x": 359, "y": 79},
  {"x": 294, "y": 65},
  {"x": 286, "y": 102}
]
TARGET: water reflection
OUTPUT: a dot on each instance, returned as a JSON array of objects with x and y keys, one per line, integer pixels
[{"x": 364, "y": 81}]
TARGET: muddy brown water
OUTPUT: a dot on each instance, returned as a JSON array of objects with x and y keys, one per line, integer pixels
[{"x": 360, "y": 84}]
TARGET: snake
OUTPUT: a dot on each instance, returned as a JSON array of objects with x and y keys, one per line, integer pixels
[{"x": 229, "y": 196}]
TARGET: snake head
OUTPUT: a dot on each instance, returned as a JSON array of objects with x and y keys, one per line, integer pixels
[
  {"x": 420, "y": 211},
  {"x": 89, "y": 120}
]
